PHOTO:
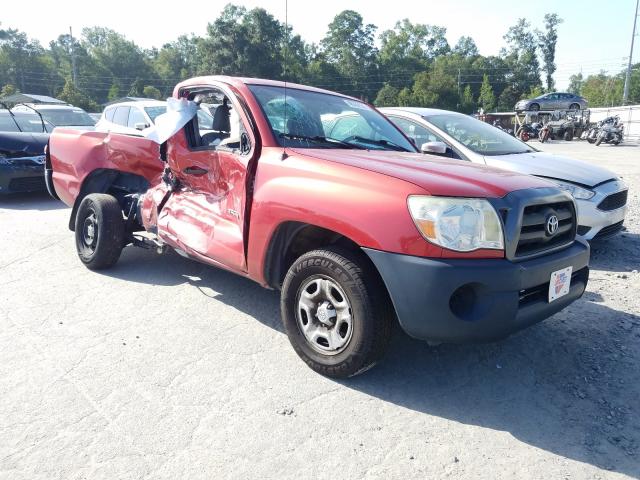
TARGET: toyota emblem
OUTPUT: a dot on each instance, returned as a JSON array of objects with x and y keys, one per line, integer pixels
[{"x": 552, "y": 224}]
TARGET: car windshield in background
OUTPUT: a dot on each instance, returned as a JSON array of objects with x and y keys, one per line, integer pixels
[
  {"x": 67, "y": 118},
  {"x": 153, "y": 112},
  {"x": 320, "y": 120},
  {"x": 27, "y": 122},
  {"x": 478, "y": 136}
]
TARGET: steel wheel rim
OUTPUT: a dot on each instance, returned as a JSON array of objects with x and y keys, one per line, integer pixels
[
  {"x": 324, "y": 315},
  {"x": 90, "y": 232}
]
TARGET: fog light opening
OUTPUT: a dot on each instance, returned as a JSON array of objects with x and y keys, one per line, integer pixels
[{"x": 463, "y": 302}]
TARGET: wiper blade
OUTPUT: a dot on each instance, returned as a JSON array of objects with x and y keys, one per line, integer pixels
[
  {"x": 384, "y": 143},
  {"x": 318, "y": 139}
]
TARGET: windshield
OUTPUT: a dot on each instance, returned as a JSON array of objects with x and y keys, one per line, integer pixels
[
  {"x": 478, "y": 136},
  {"x": 321, "y": 120},
  {"x": 28, "y": 123},
  {"x": 67, "y": 117},
  {"x": 153, "y": 112}
]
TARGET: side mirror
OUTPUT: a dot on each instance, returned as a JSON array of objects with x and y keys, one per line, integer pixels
[
  {"x": 141, "y": 126},
  {"x": 434, "y": 147}
]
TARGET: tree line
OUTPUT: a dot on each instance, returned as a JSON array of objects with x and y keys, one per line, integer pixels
[{"x": 411, "y": 64}]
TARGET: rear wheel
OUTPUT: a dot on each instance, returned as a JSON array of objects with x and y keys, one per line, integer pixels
[
  {"x": 574, "y": 106},
  {"x": 99, "y": 231},
  {"x": 568, "y": 135},
  {"x": 336, "y": 313}
]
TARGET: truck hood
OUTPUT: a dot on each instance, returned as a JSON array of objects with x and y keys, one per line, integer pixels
[
  {"x": 434, "y": 174},
  {"x": 552, "y": 166}
]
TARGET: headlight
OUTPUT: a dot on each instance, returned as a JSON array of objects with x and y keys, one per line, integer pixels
[
  {"x": 579, "y": 193},
  {"x": 461, "y": 224}
]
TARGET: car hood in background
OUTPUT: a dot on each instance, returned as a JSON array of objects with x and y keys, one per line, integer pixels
[{"x": 552, "y": 166}]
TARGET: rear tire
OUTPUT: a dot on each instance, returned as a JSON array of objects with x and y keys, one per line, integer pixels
[
  {"x": 568, "y": 135},
  {"x": 331, "y": 298},
  {"x": 574, "y": 106},
  {"x": 99, "y": 231}
]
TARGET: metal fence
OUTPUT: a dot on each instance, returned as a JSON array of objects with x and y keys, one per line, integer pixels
[{"x": 629, "y": 115}]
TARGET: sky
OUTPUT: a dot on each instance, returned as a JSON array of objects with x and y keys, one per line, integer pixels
[{"x": 595, "y": 35}]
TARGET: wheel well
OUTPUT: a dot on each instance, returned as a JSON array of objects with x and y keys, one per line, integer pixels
[
  {"x": 293, "y": 239},
  {"x": 113, "y": 182}
]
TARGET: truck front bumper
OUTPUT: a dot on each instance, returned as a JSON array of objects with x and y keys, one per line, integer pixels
[{"x": 467, "y": 300}]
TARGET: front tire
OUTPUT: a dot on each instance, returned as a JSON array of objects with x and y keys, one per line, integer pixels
[
  {"x": 534, "y": 107},
  {"x": 99, "y": 231},
  {"x": 336, "y": 312},
  {"x": 599, "y": 140}
]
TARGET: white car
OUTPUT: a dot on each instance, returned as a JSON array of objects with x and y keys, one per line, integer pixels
[
  {"x": 130, "y": 117},
  {"x": 601, "y": 197},
  {"x": 59, "y": 115}
]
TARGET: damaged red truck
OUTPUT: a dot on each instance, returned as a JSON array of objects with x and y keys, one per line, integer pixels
[{"x": 318, "y": 195}]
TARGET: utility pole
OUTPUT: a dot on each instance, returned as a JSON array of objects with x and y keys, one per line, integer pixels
[
  {"x": 627, "y": 80},
  {"x": 74, "y": 75}
]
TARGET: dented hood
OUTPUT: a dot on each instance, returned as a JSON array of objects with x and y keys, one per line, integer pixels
[
  {"x": 553, "y": 166},
  {"x": 18, "y": 144},
  {"x": 436, "y": 175}
]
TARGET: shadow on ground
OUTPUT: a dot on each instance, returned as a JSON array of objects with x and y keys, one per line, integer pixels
[
  {"x": 620, "y": 253},
  {"x": 569, "y": 385},
  {"x": 30, "y": 201}
]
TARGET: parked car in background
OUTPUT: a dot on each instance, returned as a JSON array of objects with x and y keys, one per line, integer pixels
[
  {"x": 600, "y": 196},
  {"x": 22, "y": 143},
  {"x": 130, "y": 117},
  {"x": 552, "y": 101},
  {"x": 95, "y": 116},
  {"x": 59, "y": 115}
]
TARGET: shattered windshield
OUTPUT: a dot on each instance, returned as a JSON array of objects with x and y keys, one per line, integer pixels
[{"x": 319, "y": 120}]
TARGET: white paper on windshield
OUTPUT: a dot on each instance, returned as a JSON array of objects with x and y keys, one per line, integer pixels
[{"x": 179, "y": 112}]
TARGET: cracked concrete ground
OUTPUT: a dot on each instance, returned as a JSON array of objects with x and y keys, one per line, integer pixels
[{"x": 167, "y": 369}]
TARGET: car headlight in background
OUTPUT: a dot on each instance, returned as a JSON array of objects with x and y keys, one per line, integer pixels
[
  {"x": 579, "y": 193},
  {"x": 461, "y": 224}
]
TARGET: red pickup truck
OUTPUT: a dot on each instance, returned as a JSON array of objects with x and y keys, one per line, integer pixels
[{"x": 318, "y": 195}]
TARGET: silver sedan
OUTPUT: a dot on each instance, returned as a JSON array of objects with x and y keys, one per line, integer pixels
[
  {"x": 600, "y": 196},
  {"x": 552, "y": 101}
]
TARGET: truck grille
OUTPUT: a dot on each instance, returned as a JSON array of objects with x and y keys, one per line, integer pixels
[
  {"x": 614, "y": 201},
  {"x": 534, "y": 237}
]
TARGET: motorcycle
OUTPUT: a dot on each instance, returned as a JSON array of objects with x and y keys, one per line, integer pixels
[
  {"x": 610, "y": 130},
  {"x": 544, "y": 134},
  {"x": 499, "y": 126},
  {"x": 528, "y": 131}
]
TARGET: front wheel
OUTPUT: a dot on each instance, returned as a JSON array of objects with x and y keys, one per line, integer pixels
[
  {"x": 336, "y": 312},
  {"x": 99, "y": 231},
  {"x": 599, "y": 140}
]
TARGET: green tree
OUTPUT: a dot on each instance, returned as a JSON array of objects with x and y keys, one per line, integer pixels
[
  {"x": 575, "y": 84},
  {"x": 487, "y": 100},
  {"x": 151, "y": 92},
  {"x": 137, "y": 88},
  {"x": 114, "y": 92},
  {"x": 387, "y": 96},
  {"x": 547, "y": 42},
  {"x": 521, "y": 58},
  {"x": 466, "y": 47},
  {"x": 8, "y": 89},
  {"x": 603, "y": 90},
  {"x": 75, "y": 97},
  {"x": 408, "y": 49},
  {"x": 349, "y": 46},
  {"x": 467, "y": 104}
]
